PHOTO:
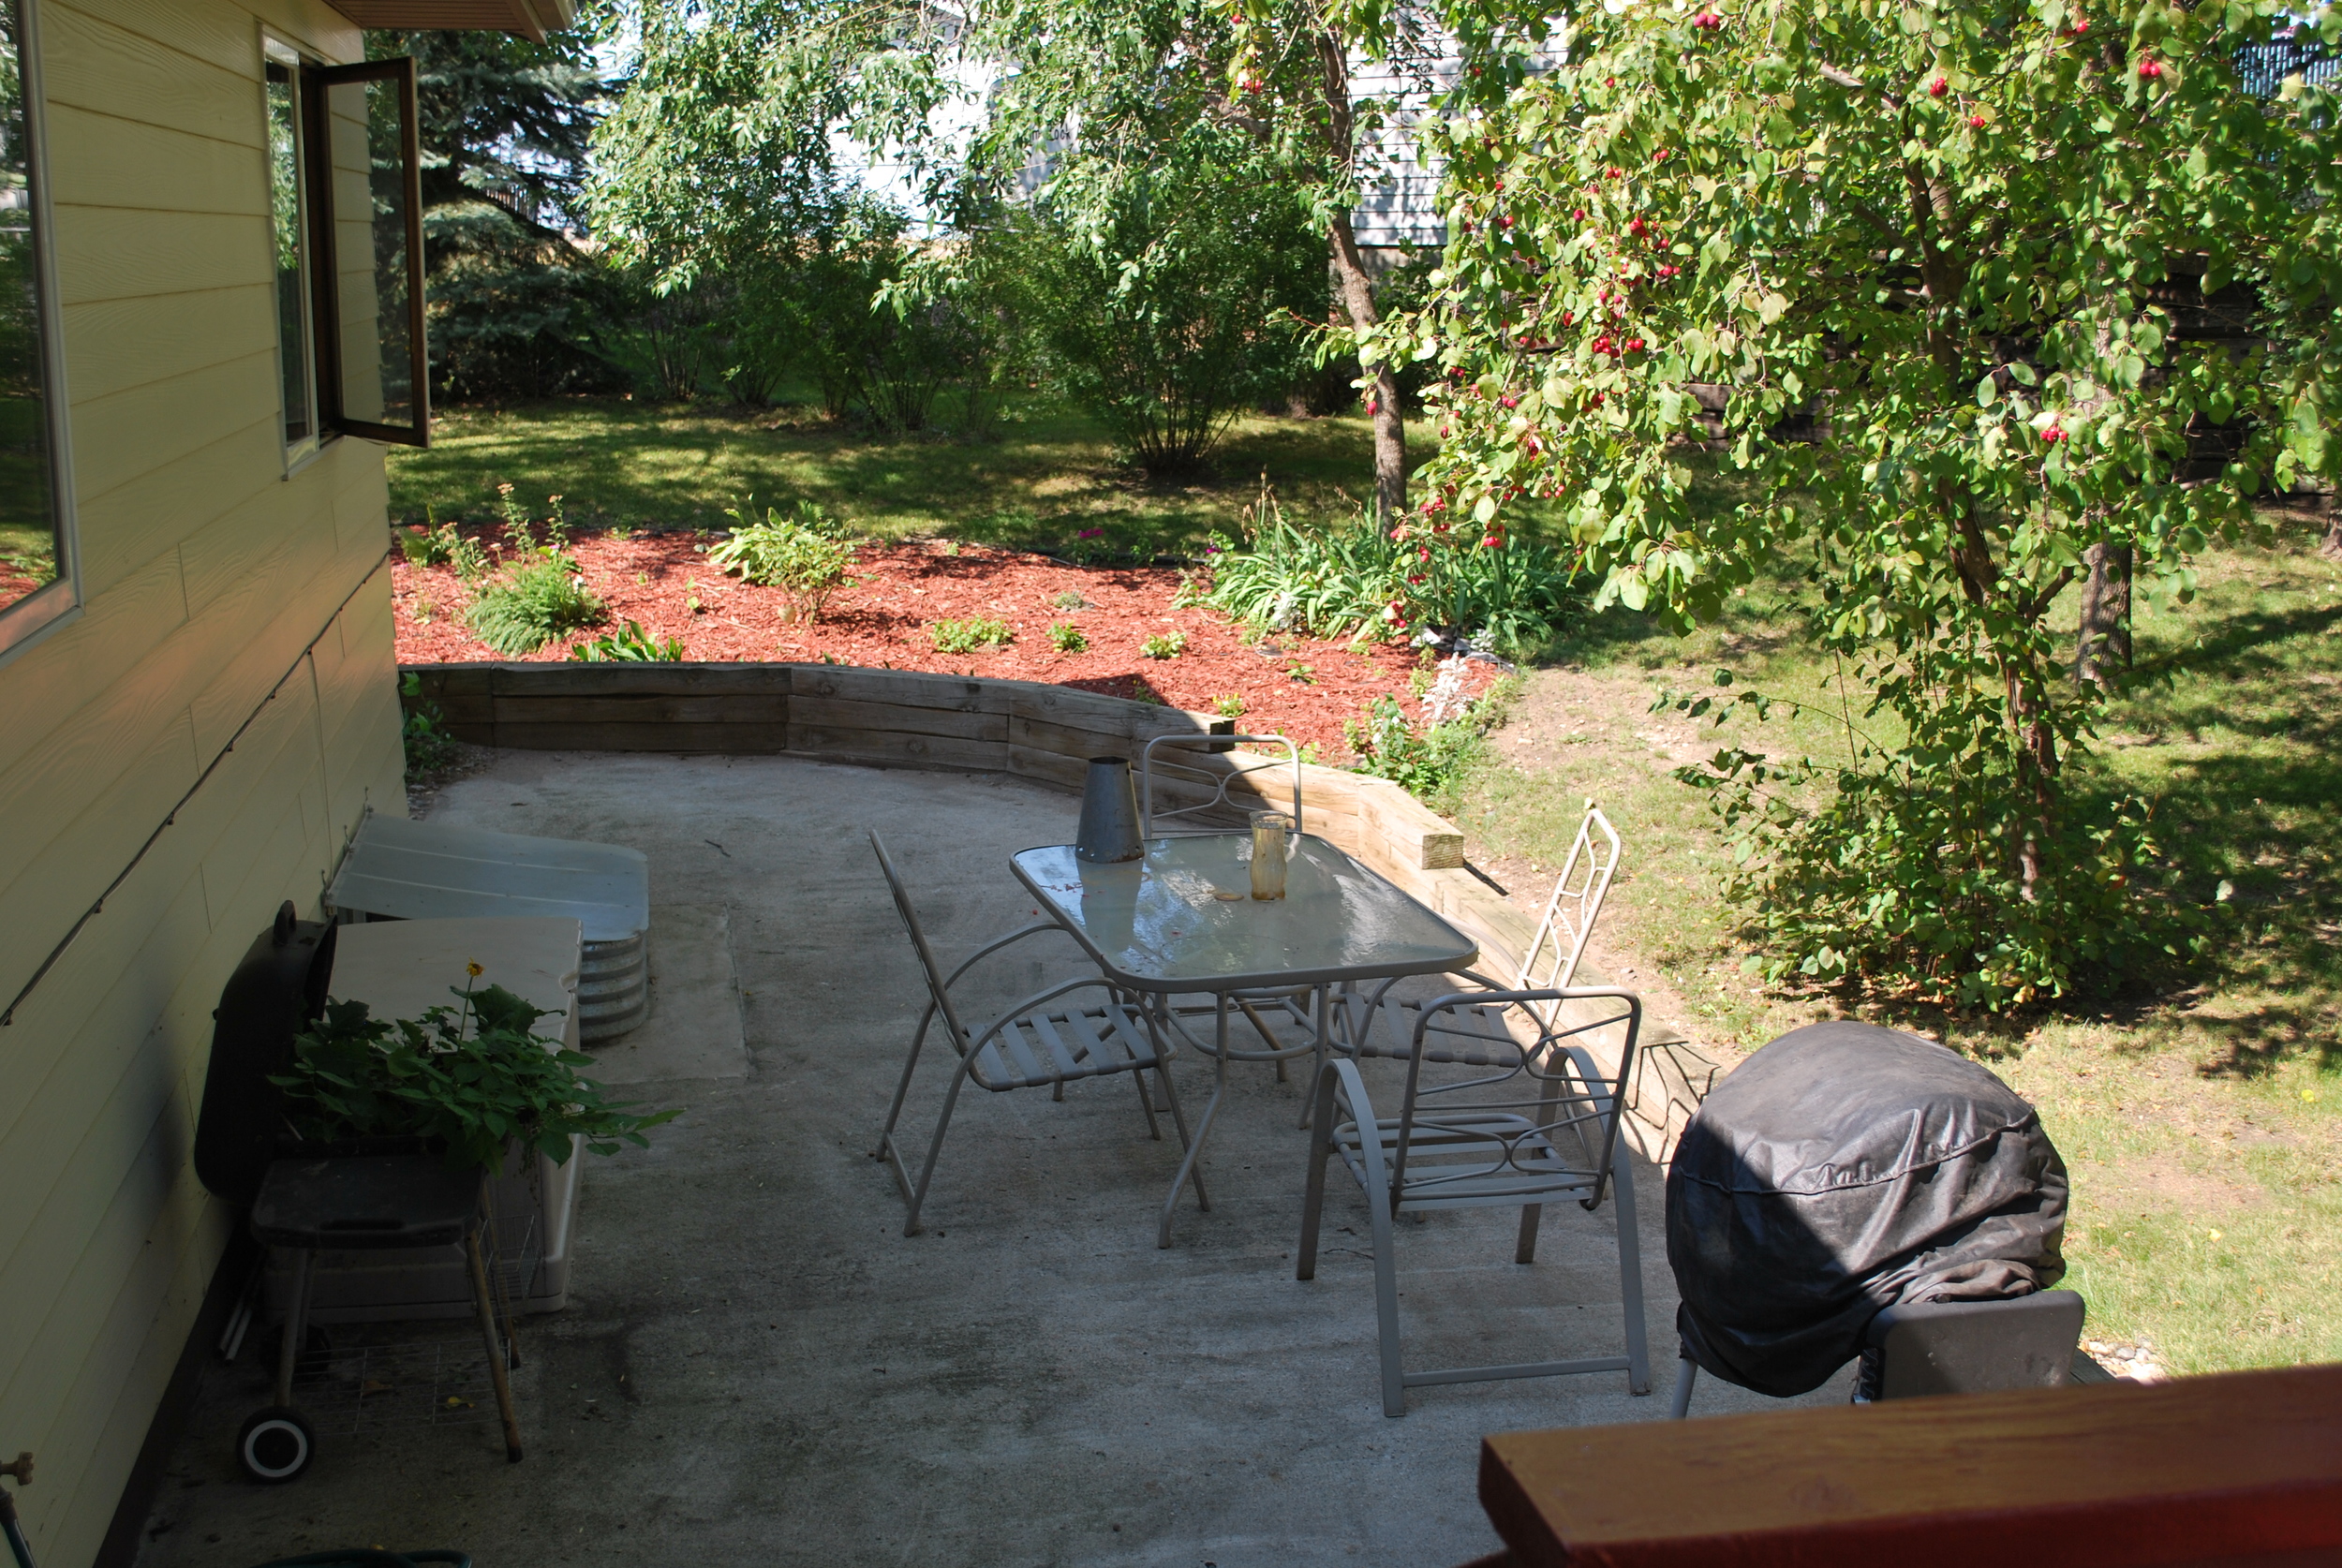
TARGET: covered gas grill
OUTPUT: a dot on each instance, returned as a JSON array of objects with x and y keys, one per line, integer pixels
[{"x": 1847, "y": 1170}]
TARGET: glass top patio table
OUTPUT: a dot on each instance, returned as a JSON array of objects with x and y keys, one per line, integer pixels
[{"x": 1181, "y": 920}]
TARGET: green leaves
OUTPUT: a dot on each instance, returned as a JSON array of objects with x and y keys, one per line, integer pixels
[
  {"x": 473, "y": 1080},
  {"x": 1926, "y": 276}
]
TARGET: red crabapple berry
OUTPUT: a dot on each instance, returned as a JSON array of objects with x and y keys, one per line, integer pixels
[
  {"x": 1975, "y": 122},
  {"x": 1938, "y": 87},
  {"x": 2150, "y": 69}
]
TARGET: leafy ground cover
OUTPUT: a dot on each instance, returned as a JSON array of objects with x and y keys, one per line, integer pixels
[
  {"x": 1050, "y": 483},
  {"x": 2200, "y": 1124}
]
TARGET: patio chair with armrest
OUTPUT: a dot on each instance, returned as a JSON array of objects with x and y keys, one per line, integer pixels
[
  {"x": 1549, "y": 963},
  {"x": 1533, "y": 1122},
  {"x": 1028, "y": 1046}
]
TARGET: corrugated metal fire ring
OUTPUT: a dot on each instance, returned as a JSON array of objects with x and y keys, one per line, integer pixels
[{"x": 613, "y": 987}]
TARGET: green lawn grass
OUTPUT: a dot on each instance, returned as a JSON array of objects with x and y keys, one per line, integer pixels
[
  {"x": 1051, "y": 477},
  {"x": 2201, "y": 1123}
]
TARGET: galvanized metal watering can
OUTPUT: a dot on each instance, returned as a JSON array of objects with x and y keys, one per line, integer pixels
[{"x": 1110, "y": 825}]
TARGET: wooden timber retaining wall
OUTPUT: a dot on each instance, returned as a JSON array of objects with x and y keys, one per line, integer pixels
[{"x": 913, "y": 720}]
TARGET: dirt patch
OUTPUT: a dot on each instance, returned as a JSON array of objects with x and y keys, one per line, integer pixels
[
  {"x": 1298, "y": 687},
  {"x": 2162, "y": 1181}
]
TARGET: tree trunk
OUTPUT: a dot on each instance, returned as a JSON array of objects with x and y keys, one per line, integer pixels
[
  {"x": 2332, "y": 547},
  {"x": 2103, "y": 644},
  {"x": 1382, "y": 396},
  {"x": 1358, "y": 286}
]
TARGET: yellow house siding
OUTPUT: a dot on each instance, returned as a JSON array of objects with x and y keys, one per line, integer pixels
[{"x": 223, "y": 599}]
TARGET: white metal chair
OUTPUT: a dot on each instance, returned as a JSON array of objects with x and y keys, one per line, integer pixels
[
  {"x": 1375, "y": 1025},
  {"x": 1192, "y": 777},
  {"x": 1538, "y": 1122},
  {"x": 1028, "y": 1046}
]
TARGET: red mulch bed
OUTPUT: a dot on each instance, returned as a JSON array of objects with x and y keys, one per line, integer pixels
[{"x": 883, "y": 621}]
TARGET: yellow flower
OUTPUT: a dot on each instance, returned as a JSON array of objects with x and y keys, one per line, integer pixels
[
  {"x": 472, "y": 968},
  {"x": 2309, "y": 1094}
]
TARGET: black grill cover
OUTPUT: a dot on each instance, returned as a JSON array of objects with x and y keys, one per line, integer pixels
[{"x": 1843, "y": 1169}]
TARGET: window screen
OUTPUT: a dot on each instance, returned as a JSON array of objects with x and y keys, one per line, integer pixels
[{"x": 367, "y": 288}]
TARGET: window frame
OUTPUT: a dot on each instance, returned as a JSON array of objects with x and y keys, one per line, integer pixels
[
  {"x": 320, "y": 282},
  {"x": 290, "y": 58},
  {"x": 325, "y": 275},
  {"x": 58, "y": 602}
]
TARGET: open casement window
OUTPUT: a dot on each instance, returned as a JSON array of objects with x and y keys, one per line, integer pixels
[{"x": 361, "y": 174}]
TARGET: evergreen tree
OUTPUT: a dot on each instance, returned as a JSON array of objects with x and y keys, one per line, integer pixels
[{"x": 516, "y": 295}]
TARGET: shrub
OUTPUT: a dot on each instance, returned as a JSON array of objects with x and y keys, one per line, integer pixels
[
  {"x": 1067, "y": 638},
  {"x": 969, "y": 635},
  {"x": 1163, "y": 291},
  {"x": 801, "y": 556},
  {"x": 1168, "y": 644},
  {"x": 532, "y": 604},
  {"x": 629, "y": 644},
  {"x": 1070, "y": 599}
]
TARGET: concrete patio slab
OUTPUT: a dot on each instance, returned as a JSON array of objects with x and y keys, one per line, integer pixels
[{"x": 757, "y": 1366}]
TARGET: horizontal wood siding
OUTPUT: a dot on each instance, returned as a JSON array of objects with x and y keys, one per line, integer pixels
[{"x": 223, "y": 602}]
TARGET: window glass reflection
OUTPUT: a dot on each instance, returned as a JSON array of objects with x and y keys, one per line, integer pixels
[{"x": 29, "y": 545}]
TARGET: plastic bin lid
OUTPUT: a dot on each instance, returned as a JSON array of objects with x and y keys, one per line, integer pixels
[{"x": 433, "y": 870}]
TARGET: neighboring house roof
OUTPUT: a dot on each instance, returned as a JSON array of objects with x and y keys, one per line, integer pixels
[{"x": 530, "y": 19}]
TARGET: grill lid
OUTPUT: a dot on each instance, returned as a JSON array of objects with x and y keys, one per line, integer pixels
[
  {"x": 1840, "y": 1170},
  {"x": 276, "y": 992}
]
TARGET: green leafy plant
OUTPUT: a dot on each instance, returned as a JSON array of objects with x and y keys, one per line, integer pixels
[
  {"x": 474, "y": 1079},
  {"x": 1431, "y": 763},
  {"x": 1070, "y": 599},
  {"x": 629, "y": 644},
  {"x": 428, "y": 748},
  {"x": 801, "y": 554},
  {"x": 1067, "y": 638},
  {"x": 967, "y": 636},
  {"x": 532, "y": 604},
  {"x": 1164, "y": 644},
  {"x": 1230, "y": 706},
  {"x": 1363, "y": 581}
]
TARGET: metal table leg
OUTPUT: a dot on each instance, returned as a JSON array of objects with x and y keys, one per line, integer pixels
[{"x": 1203, "y": 1126}]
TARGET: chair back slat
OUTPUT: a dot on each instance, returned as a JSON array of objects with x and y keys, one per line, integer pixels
[
  {"x": 939, "y": 994},
  {"x": 1550, "y": 962},
  {"x": 1499, "y": 1118},
  {"x": 1232, "y": 767}
]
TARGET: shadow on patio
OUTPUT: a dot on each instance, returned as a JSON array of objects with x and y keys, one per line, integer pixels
[{"x": 756, "y": 1364}]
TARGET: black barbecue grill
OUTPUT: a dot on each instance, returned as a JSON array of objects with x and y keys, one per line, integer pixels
[
  {"x": 1853, "y": 1190},
  {"x": 308, "y": 1198}
]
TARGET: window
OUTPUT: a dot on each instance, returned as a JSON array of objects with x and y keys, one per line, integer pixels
[
  {"x": 36, "y": 584},
  {"x": 345, "y": 200}
]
